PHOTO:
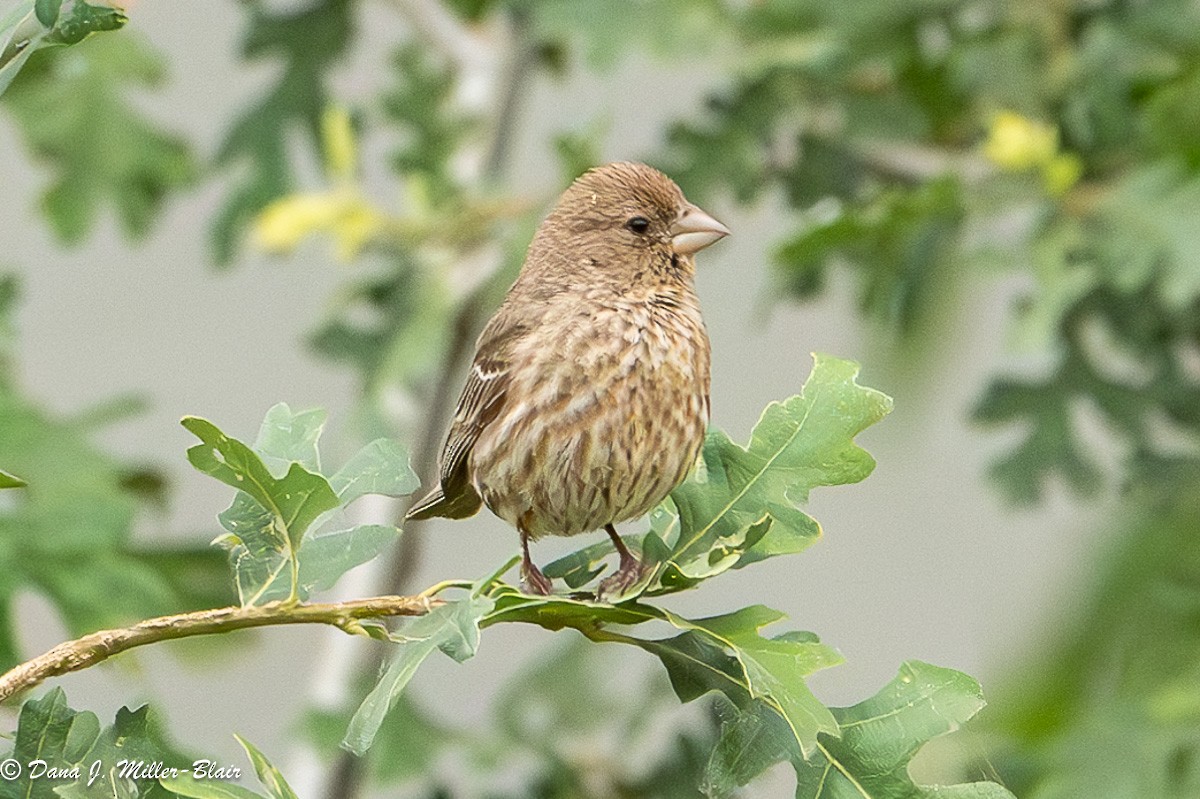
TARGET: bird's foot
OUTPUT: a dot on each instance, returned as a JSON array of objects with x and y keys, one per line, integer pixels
[
  {"x": 620, "y": 581},
  {"x": 533, "y": 581}
]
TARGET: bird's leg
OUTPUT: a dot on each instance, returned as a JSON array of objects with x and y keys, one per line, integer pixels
[
  {"x": 532, "y": 579},
  {"x": 628, "y": 572}
]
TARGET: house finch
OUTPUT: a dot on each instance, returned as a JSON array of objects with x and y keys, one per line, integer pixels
[{"x": 587, "y": 401}]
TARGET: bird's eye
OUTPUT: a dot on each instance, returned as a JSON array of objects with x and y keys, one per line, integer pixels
[{"x": 639, "y": 224}]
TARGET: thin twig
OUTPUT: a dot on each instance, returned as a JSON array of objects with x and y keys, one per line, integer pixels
[
  {"x": 522, "y": 60},
  {"x": 100, "y": 646}
]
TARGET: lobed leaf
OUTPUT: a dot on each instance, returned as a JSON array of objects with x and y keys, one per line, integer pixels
[
  {"x": 726, "y": 654},
  {"x": 293, "y": 501},
  {"x": 71, "y": 110},
  {"x": 272, "y": 549},
  {"x": 269, "y": 516},
  {"x": 49, "y": 730},
  {"x": 880, "y": 735},
  {"x": 286, "y": 437},
  {"x": 775, "y": 668},
  {"x": 742, "y": 504},
  {"x": 380, "y": 467},
  {"x": 452, "y": 628}
]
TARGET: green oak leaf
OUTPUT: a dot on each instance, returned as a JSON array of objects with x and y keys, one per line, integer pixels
[
  {"x": 134, "y": 736},
  {"x": 880, "y": 735},
  {"x": 10, "y": 481},
  {"x": 274, "y": 549},
  {"x": 726, "y": 654},
  {"x": 380, "y": 467},
  {"x": 294, "y": 501},
  {"x": 70, "y": 108},
  {"x": 71, "y": 741},
  {"x": 49, "y": 730},
  {"x": 286, "y": 437},
  {"x": 775, "y": 668},
  {"x": 798, "y": 444},
  {"x": 452, "y": 628},
  {"x": 269, "y": 515}
]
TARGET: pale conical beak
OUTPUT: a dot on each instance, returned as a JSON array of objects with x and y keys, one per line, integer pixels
[{"x": 694, "y": 230}]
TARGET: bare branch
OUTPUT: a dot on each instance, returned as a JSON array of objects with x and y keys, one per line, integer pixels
[{"x": 99, "y": 646}]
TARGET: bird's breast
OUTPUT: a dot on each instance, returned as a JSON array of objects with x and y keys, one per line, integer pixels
[{"x": 605, "y": 415}]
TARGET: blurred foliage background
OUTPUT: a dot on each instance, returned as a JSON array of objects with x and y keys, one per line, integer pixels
[{"x": 914, "y": 145}]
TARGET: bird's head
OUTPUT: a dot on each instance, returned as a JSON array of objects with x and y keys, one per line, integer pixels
[{"x": 624, "y": 224}]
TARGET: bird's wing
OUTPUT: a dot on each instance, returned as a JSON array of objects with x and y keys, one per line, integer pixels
[{"x": 481, "y": 401}]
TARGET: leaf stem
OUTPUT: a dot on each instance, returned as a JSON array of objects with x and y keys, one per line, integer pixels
[{"x": 99, "y": 646}]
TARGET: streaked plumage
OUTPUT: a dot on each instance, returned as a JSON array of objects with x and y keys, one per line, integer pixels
[{"x": 587, "y": 400}]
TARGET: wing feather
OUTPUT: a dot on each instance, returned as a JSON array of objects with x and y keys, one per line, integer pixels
[{"x": 481, "y": 401}]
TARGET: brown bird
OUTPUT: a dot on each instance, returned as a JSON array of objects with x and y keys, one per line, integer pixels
[{"x": 587, "y": 401}]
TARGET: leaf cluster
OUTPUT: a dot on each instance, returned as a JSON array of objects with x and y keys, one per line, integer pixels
[
  {"x": 282, "y": 496},
  {"x": 868, "y": 118},
  {"x": 130, "y": 759},
  {"x": 82, "y": 758},
  {"x": 740, "y": 507}
]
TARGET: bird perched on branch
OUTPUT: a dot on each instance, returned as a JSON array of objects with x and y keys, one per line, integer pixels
[{"x": 587, "y": 401}]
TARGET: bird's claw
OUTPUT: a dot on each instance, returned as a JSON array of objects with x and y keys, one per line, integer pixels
[
  {"x": 620, "y": 581},
  {"x": 534, "y": 582}
]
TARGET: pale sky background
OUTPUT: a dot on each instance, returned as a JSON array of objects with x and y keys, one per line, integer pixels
[{"x": 924, "y": 560}]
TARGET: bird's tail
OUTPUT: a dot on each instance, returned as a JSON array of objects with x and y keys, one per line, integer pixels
[{"x": 461, "y": 504}]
